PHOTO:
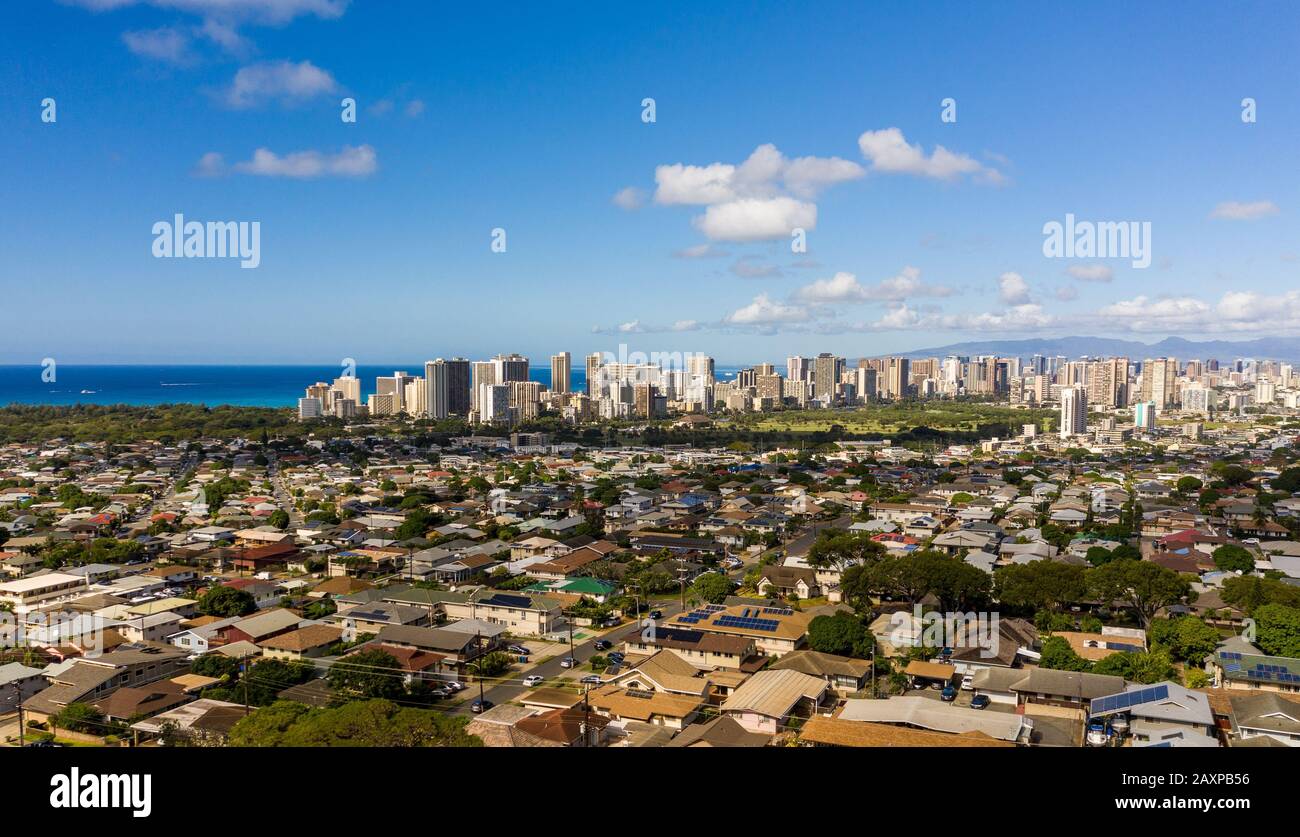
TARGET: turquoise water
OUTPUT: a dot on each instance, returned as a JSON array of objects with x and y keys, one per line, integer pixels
[{"x": 245, "y": 386}]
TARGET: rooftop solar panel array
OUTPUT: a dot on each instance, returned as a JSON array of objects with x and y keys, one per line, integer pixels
[
  {"x": 503, "y": 600},
  {"x": 746, "y": 623},
  {"x": 1127, "y": 700},
  {"x": 1267, "y": 669}
]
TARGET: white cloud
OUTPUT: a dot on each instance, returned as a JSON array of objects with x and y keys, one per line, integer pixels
[
  {"x": 1013, "y": 289},
  {"x": 753, "y": 267},
  {"x": 219, "y": 22},
  {"x": 764, "y": 311},
  {"x": 808, "y": 176},
  {"x": 1143, "y": 310},
  {"x": 167, "y": 44},
  {"x": 845, "y": 287},
  {"x": 889, "y": 152},
  {"x": 681, "y": 184},
  {"x": 351, "y": 161},
  {"x": 278, "y": 81},
  {"x": 629, "y": 198},
  {"x": 210, "y": 165},
  {"x": 701, "y": 251},
  {"x": 754, "y": 219},
  {"x": 1236, "y": 311},
  {"x": 265, "y": 12},
  {"x": 1091, "y": 272},
  {"x": 1237, "y": 211},
  {"x": 765, "y": 197}
]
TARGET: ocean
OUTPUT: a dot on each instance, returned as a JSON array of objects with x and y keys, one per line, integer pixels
[{"x": 213, "y": 385}]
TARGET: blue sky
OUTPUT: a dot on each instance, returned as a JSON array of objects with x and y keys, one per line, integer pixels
[{"x": 375, "y": 239}]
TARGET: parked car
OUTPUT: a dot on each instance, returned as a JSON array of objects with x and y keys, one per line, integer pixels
[
  {"x": 616, "y": 656},
  {"x": 656, "y": 614},
  {"x": 568, "y": 662},
  {"x": 980, "y": 702},
  {"x": 454, "y": 686},
  {"x": 603, "y": 645},
  {"x": 593, "y": 679},
  {"x": 533, "y": 680},
  {"x": 521, "y": 650},
  {"x": 480, "y": 705},
  {"x": 948, "y": 694},
  {"x": 968, "y": 682}
]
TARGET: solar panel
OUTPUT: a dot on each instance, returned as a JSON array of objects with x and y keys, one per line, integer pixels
[
  {"x": 1126, "y": 700},
  {"x": 509, "y": 601}
]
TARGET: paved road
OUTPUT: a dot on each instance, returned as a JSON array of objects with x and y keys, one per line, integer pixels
[
  {"x": 506, "y": 692},
  {"x": 798, "y": 546}
]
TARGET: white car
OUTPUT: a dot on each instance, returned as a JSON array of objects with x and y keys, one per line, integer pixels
[
  {"x": 454, "y": 685},
  {"x": 533, "y": 680},
  {"x": 968, "y": 682}
]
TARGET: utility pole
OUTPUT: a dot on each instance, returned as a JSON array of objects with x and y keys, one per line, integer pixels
[
  {"x": 478, "y": 647},
  {"x": 586, "y": 713},
  {"x": 22, "y": 726}
]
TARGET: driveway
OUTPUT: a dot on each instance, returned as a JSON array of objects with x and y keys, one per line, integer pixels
[{"x": 551, "y": 669}]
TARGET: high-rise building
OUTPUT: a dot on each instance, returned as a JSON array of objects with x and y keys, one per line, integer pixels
[
  {"x": 1198, "y": 399},
  {"x": 1144, "y": 415},
  {"x": 897, "y": 377},
  {"x": 594, "y": 361},
  {"x": 1158, "y": 378},
  {"x": 512, "y": 367},
  {"x": 798, "y": 368},
  {"x": 494, "y": 403},
  {"x": 643, "y": 403},
  {"x": 349, "y": 386},
  {"x": 826, "y": 376},
  {"x": 561, "y": 369},
  {"x": 458, "y": 386},
  {"x": 437, "y": 390},
  {"x": 1108, "y": 382},
  {"x": 309, "y": 408},
  {"x": 1074, "y": 411},
  {"x": 482, "y": 373},
  {"x": 700, "y": 365}
]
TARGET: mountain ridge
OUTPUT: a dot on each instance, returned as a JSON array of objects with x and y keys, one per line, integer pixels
[{"x": 1263, "y": 348}]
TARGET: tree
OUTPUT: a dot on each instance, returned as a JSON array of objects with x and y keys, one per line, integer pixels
[
  {"x": 842, "y": 633},
  {"x": 1039, "y": 585},
  {"x": 1098, "y": 555},
  {"x": 216, "y": 665},
  {"x": 957, "y": 585},
  {"x": 493, "y": 664},
  {"x": 1278, "y": 630},
  {"x": 370, "y": 673},
  {"x": 1233, "y": 558},
  {"x": 712, "y": 588},
  {"x": 1249, "y": 592},
  {"x": 1057, "y": 654},
  {"x": 227, "y": 601},
  {"x": 279, "y": 519},
  {"x": 1142, "y": 585},
  {"x": 369, "y": 723},
  {"x": 856, "y": 588},
  {"x": 1138, "y": 666},
  {"x": 1288, "y": 481},
  {"x": 1187, "y": 638},
  {"x": 78, "y": 717},
  {"x": 1187, "y": 485},
  {"x": 843, "y": 549}
]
